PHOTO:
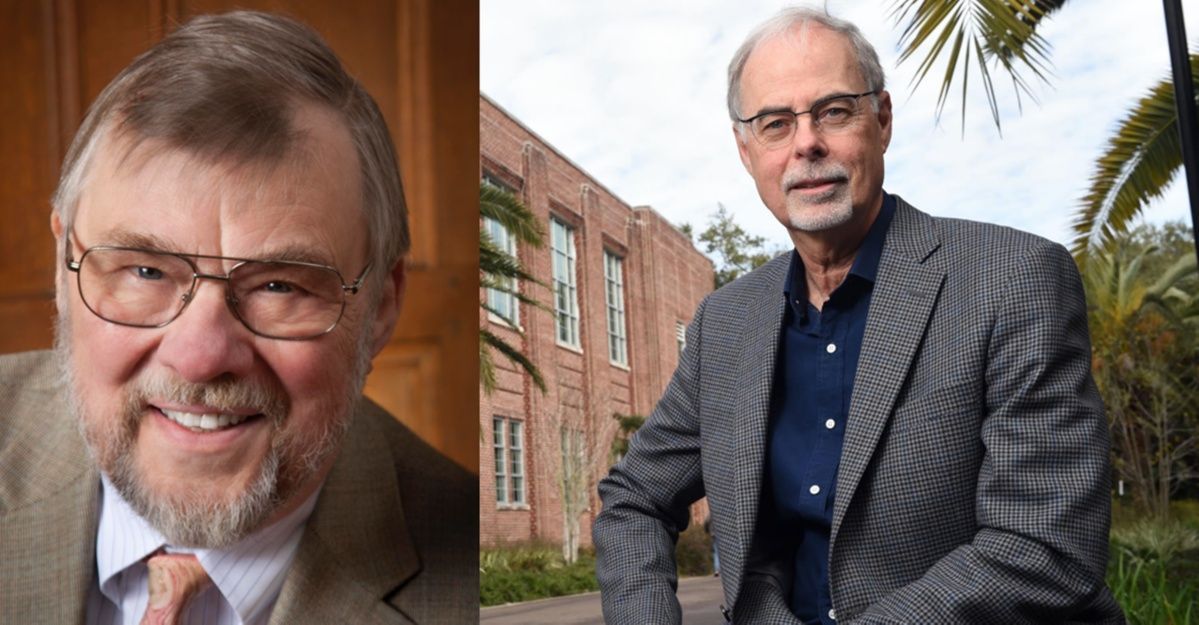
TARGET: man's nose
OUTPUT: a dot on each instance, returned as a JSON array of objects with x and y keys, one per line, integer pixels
[
  {"x": 207, "y": 340},
  {"x": 808, "y": 142}
]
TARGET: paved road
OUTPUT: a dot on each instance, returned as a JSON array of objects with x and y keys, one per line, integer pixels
[{"x": 700, "y": 597}]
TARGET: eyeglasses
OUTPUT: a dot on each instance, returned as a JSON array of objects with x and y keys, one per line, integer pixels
[
  {"x": 276, "y": 299},
  {"x": 830, "y": 115}
]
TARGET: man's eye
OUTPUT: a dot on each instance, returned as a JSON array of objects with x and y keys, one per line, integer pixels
[
  {"x": 776, "y": 123},
  {"x": 276, "y": 286},
  {"x": 149, "y": 273},
  {"x": 835, "y": 112}
]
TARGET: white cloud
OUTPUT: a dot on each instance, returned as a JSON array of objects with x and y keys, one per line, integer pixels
[{"x": 634, "y": 93}]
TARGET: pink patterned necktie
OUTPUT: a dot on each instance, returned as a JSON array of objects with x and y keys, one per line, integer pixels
[{"x": 174, "y": 579}]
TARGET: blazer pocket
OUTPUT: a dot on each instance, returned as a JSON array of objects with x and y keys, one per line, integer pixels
[{"x": 953, "y": 405}]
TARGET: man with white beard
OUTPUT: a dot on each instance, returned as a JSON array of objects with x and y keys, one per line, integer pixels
[
  {"x": 895, "y": 422},
  {"x": 231, "y": 232}
]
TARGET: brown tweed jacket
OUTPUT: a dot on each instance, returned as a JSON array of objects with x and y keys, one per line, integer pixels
[{"x": 393, "y": 538}]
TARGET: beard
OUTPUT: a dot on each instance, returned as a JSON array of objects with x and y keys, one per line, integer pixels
[
  {"x": 194, "y": 519},
  {"x": 821, "y": 212}
]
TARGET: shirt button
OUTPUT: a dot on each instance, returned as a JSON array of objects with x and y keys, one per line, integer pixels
[
  {"x": 832, "y": 615},
  {"x": 830, "y": 424},
  {"x": 831, "y": 348},
  {"x": 814, "y": 489}
]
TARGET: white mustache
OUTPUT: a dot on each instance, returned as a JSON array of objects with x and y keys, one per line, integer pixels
[{"x": 822, "y": 171}]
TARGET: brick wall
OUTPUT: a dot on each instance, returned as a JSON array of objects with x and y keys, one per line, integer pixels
[{"x": 665, "y": 278}]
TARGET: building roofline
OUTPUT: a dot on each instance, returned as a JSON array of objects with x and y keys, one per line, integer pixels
[
  {"x": 580, "y": 168},
  {"x": 554, "y": 149}
]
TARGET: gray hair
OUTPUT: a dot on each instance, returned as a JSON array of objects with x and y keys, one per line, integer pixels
[
  {"x": 784, "y": 21},
  {"x": 225, "y": 88}
]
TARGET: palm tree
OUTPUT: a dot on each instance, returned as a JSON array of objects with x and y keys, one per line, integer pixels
[
  {"x": 1142, "y": 361},
  {"x": 501, "y": 271},
  {"x": 1142, "y": 156},
  {"x": 1139, "y": 162}
]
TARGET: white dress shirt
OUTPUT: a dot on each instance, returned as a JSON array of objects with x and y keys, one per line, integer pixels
[{"x": 247, "y": 576}]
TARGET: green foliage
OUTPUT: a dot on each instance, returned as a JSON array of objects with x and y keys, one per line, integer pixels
[
  {"x": 1141, "y": 158},
  {"x": 1154, "y": 571},
  {"x": 503, "y": 272},
  {"x": 1136, "y": 167},
  {"x": 629, "y": 424},
  {"x": 530, "y": 571},
  {"x": 693, "y": 552},
  {"x": 973, "y": 34},
  {"x": 1146, "y": 361},
  {"x": 736, "y": 251}
]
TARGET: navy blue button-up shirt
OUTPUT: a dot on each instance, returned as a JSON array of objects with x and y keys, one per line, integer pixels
[{"x": 817, "y": 360}]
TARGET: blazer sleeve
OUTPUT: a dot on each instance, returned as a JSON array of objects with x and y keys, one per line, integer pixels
[
  {"x": 1042, "y": 501},
  {"x": 646, "y": 499}
]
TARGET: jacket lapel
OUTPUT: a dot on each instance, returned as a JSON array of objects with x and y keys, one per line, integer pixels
[
  {"x": 755, "y": 378},
  {"x": 905, "y": 294},
  {"x": 51, "y": 546},
  {"x": 48, "y": 535},
  {"x": 356, "y": 551}
]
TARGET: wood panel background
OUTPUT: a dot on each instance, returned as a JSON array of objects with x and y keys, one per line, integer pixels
[{"x": 418, "y": 58}]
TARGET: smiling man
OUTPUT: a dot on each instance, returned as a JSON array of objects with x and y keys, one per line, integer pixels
[
  {"x": 895, "y": 422},
  {"x": 231, "y": 231}
]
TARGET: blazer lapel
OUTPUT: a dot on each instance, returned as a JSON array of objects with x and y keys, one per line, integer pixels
[
  {"x": 356, "y": 550},
  {"x": 905, "y": 294},
  {"x": 48, "y": 535},
  {"x": 755, "y": 378}
]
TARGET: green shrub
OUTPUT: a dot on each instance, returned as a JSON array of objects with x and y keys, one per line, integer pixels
[
  {"x": 529, "y": 556},
  {"x": 693, "y": 553},
  {"x": 528, "y": 571},
  {"x": 1154, "y": 572}
]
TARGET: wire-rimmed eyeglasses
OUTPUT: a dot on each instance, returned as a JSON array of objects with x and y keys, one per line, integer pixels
[
  {"x": 829, "y": 115},
  {"x": 278, "y": 299}
]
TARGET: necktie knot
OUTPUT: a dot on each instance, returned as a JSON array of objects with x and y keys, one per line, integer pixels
[{"x": 175, "y": 578}]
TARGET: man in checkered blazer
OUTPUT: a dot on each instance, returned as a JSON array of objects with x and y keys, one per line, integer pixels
[{"x": 896, "y": 423}]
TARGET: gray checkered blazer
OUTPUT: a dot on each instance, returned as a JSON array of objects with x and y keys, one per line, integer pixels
[{"x": 973, "y": 481}]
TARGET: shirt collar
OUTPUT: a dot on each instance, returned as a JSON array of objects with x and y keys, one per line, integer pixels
[
  {"x": 124, "y": 539},
  {"x": 865, "y": 262}
]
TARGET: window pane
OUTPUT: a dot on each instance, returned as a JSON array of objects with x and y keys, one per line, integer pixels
[
  {"x": 564, "y": 276},
  {"x": 518, "y": 490},
  {"x": 501, "y": 480}
]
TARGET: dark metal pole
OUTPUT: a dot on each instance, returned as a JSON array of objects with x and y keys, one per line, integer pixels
[{"x": 1184, "y": 102}]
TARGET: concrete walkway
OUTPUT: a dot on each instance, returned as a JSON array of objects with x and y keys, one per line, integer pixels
[{"x": 700, "y": 597}]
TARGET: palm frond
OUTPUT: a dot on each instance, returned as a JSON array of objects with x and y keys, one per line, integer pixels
[
  {"x": 1183, "y": 268},
  {"x": 486, "y": 367},
  {"x": 503, "y": 272},
  {"x": 499, "y": 264},
  {"x": 506, "y": 208},
  {"x": 1140, "y": 161},
  {"x": 511, "y": 353},
  {"x": 1002, "y": 32}
]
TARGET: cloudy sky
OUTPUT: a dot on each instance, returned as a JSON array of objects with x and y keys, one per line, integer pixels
[{"x": 633, "y": 92}]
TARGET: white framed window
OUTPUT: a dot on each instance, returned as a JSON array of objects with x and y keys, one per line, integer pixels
[
  {"x": 505, "y": 305},
  {"x": 618, "y": 349},
  {"x": 502, "y": 303},
  {"x": 501, "y": 460},
  {"x": 508, "y": 444},
  {"x": 566, "y": 297},
  {"x": 680, "y": 335}
]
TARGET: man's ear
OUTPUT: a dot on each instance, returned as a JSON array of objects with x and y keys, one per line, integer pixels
[
  {"x": 57, "y": 228},
  {"x": 742, "y": 149},
  {"x": 885, "y": 118},
  {"x": 388, "y": 312}
]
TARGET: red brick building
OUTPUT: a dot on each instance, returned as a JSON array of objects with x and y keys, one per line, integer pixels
[{"x": 621, "y": 285}]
